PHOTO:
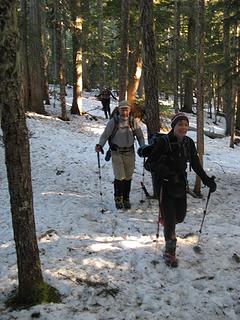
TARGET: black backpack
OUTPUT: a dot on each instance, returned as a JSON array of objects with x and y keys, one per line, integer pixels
[{"x": 145, "y": 151}]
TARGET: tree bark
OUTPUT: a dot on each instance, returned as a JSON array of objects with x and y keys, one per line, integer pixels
[
  {"x": 227, "y": 74},
  {"x": 123, "y": 63},
  {"x": 45, "y": 57},
  {"x": 85, "y": 40},
  {"x": 188, "y": 83},
  {"x": 235, "y": 85},
  {"x": 200, "y": 87},
  {"x": 59, "y": 60},
  {"x": 77, "y": 57},
  {"x": 15, "y": 135},
  {"x": 151, "y": 107},
  {"x": 176, "y": 52},
  {"x": 35, "y": 58},
  {"x": 136, "y": 70},
  {"x": 100, "y": 44},
  {"x": 24, "y": 55}
]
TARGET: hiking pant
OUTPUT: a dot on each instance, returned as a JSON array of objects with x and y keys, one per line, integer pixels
[
  {"x": 173, "y": 210},
  {"x": 123, "y": 163},
  {"x": 106, "y": 107}
]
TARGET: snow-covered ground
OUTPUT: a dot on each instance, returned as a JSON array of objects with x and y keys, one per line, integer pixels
[{"x": 107, "y": 265}]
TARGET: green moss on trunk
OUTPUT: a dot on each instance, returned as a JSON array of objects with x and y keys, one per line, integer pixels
[{"x": 43, "y": 293}]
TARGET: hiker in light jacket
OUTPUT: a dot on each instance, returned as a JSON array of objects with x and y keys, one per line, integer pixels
[{"x": 120, "y": 131}]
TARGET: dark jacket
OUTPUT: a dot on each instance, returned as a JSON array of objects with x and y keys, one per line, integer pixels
[
  {"x": 168, "y": 160},
  {"x": 106, "y": 94}
]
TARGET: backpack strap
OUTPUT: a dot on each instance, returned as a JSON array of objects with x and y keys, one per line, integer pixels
[
  {"x": 187, "y": 151},
  {"x": 131, "y": 124},
  {"x": 115, "y": 129}
]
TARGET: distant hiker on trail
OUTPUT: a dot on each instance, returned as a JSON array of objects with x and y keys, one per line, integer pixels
[
  {"x": 105, "y": 97},
  {"x": 168, "y": 160},
  {"x": 120, "y": 132}
]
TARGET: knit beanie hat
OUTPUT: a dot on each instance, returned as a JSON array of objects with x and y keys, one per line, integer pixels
[
  {"x": 124, "y": 104},
  {"x": 177, "y": 117}
]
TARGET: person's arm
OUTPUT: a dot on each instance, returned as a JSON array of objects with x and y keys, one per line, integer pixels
[
  {"x": 113, "y": 95},
  {"x": 106, "y": 133},
  {"x": 198, "y": 169},
  {"x": 138, "y": 133}
]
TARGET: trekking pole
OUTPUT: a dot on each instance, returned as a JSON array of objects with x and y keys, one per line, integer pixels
[
  {"x": 160, "y": 219},
  {"x": 142, "y": 182},
  {"x": 144, "y": 190},
  {"x": 197, "y": 247},
  {"x": 158, "y": 223},
  {"x": 100, "y": 181}
]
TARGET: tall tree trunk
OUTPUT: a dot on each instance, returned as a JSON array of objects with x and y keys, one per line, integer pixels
[
  {"x": 24, "y": 54},
  {"x": 235, "y": 84},
  {"x": 123, "y": 71},
  {"x": 100, "y": 44},
  {"x": 238, "y": 81},
  {"x": 59, "y": 59},
  {"x": 35, "y": 58},
  {"x": 136, "y": 70},
  {"x": 227, "y": 76},
  {"x": 176, "y": 52},
  {"x": 17, "y": 158},
  {"x": 140, "y": 86},
  {"x": 45, "y": 57},
  {"x": 85, "y": 40},
  {"x": 188, "y": 83},
  {"x": 149, "y": 68},
  {"x": 238, "y": 108},
  {"x": 200, "y": 87},
  {"x": 77, "y": 57}
]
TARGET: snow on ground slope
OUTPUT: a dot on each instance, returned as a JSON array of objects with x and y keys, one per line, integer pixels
[{"x": 107, "y": 265}]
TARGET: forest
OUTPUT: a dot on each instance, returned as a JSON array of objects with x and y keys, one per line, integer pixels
[{"x": 184, "y": 50}]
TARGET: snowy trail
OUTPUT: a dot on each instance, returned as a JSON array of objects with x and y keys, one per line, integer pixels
[{"x": 80, "y": 246}]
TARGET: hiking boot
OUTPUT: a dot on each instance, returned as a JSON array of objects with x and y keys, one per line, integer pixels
[
  {"x": 170, "y": 260},
  {"x": 119, "y": 202},
  {"x": 126, "y": 203}
]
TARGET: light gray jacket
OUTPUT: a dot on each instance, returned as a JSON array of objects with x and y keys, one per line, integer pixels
[{"x": 125, "y": 133}]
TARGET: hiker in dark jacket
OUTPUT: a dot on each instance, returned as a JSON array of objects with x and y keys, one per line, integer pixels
[
  {"x": 122, "y": 128},
  {"x": 168, "y": 161},
  {"x": 105, "y": 97}
]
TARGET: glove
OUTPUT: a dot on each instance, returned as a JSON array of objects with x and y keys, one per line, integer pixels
[
  {"x": 144, "y": 151},
  {"x": 99, "y": 148},
  {"x": 211, "y": 184}
]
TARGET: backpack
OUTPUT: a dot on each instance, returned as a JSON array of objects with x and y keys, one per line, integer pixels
[
  {"x": 176, "y": 186},
  {"x": 145, "y": 151},
  {"x": 105, "y": 94}
]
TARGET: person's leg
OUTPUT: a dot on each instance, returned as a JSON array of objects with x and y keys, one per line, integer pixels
[
  {"x": 129, "y": 164},
  {"x": 181, "y": 208},
  {"x": 169, "y": 209},
  {"x": 156, "y": 185},
  {"x": 118, "y": 171},
  {"x": 126, "y": 193},
  {"x": 108, "y": 107},
  {"x": 104, "y": 108},
  {"x": 118, "y": 193}
]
